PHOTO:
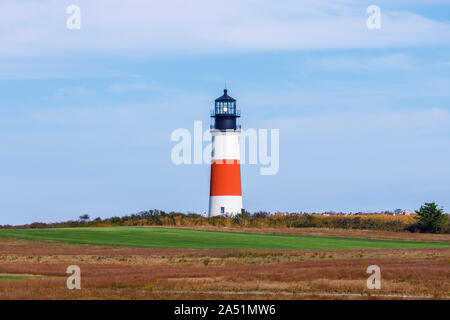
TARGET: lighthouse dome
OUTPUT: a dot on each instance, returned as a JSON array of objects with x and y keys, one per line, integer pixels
[{"x": 225, "y": 97}]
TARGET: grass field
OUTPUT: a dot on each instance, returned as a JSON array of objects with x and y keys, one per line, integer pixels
[
  {"x": 174, "y": 263},
  {"x": 15, "y": 277},
  {"x": 12, "y": 278},
  {"x": 200, "y": 239}
]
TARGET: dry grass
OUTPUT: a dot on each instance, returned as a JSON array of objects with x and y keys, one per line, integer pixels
[{"x": 147, "y": 273}]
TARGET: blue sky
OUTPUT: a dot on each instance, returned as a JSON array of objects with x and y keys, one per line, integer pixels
[{"x": 86, "y": 115}]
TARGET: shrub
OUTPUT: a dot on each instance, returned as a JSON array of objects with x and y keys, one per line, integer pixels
[
  {"x": 264, "y": 219},
  {"x": 431, "y": 218},
  {"x": 84, "y": 217}
]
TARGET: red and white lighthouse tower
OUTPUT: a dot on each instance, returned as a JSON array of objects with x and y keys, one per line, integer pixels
[{"x": 225, "y": 188}]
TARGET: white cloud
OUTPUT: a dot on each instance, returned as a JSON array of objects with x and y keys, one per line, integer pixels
[
  {"x": 399, "y": 61},
  {"x": 386, "y": 123},
  {"x": 138, "y": 85},
  {"x": 38, "y": 28},
  {"x": 380, "y": 147},
  {"x": 70, "y": 92}
]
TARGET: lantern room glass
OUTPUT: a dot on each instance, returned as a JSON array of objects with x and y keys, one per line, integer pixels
[{"x": 225, "y": 108}]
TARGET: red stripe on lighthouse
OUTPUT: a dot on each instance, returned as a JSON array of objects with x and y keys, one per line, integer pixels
[{"x": 225, "y": 178}]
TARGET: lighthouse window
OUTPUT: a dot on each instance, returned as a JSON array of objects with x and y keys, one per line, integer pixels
[{"x": 222, "y": 209}]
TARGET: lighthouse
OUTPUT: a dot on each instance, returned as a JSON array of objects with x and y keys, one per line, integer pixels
[{"x": 225, "y": 196}]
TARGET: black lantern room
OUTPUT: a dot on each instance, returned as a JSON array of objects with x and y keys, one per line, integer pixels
[{"x": 225, "y": 113}]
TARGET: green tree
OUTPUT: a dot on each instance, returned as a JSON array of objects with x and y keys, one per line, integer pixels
[
  {"x": 84, "y": 217},
  {"x": 431, "y": 218}
]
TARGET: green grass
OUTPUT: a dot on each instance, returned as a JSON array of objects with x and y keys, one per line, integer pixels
[
  {"x": 188, "y": 238},
  {"x": 14, "y": 277}
]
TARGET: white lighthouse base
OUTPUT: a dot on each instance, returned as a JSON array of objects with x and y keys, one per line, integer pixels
[{"x": 221, "y": 205}]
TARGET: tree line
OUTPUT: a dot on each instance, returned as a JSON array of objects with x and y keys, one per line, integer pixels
[{"x": 429, "y": 218}]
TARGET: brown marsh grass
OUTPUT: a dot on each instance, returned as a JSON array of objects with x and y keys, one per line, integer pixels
[{"x": 147, "y": 273}]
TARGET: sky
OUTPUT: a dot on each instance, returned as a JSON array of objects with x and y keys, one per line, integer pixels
[{"x": 86, "y": 115}]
